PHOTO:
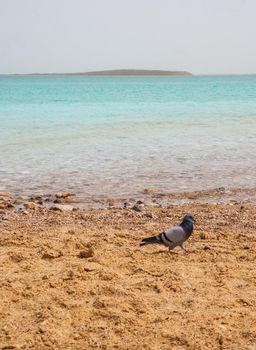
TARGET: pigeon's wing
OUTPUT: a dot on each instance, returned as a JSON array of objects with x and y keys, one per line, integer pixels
[{"x": 176, "y": 234}]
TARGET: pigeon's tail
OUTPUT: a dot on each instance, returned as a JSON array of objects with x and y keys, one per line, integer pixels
[{"x": 150, "y": 240}]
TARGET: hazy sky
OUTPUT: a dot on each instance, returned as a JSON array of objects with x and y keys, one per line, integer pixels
[{"x": 200, "y": 36}]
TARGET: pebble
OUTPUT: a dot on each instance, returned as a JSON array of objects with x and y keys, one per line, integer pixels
[
  {"x": 149, "y": 215},
  {"x": 5, "y": 194},
  {"x": 30, "y": 205},
  {"x": 220, "y": 189},
  {"x": 62, "y": 207},
  {"x": 137, "y": 207},
  {"x": 127, "y": 205},
  {"x": 149, "y": 190},
  {"x": 63, "y": 194},
  {"x": 51, "y": 254},
  {"x": 57, "y": 201},
  {"x": 4, "y": 204},
  {"x": 88, "y": 253},
  {"x": 18, "y": 201},
  {"x": 36, "y": 197},
  {"x": 203, "y": 235}
]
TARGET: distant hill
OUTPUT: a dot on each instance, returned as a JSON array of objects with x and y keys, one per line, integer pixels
[
  {"x": 136, "y": 72},
  {"x": 120, "y": 72}
]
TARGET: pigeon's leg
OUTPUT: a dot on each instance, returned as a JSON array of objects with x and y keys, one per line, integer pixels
[
  {"x": 169, "y": 252},
  {"x": 184, "y": 248}
]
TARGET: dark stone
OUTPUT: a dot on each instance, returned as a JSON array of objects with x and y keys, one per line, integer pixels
[
  {"x": 88, "y": 253},
  {"x": 137, "y": 207}
]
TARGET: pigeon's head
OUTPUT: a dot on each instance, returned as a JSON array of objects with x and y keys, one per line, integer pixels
[{"x": 189, "y": 218}]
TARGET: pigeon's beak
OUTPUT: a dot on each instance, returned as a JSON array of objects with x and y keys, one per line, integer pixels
[{"x": 194, "y": 219}]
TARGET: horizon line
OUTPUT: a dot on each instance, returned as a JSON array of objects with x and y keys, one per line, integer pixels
[{"x": 127, "y": 72}]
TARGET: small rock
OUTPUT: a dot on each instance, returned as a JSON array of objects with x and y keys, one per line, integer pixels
[
  {"x": 203, "y": 235},
  {"x": 36, "y": 197},
  {"x": 58, "y": 201},
  {"x": 51, "y": 254},
  {"x": 159, "y": 195},
  {"x": 148, "y": 190},
  {"x": 62, "y": 207},
  {"x": 30, "y": 205},
  {"x": 49, "y": 198},
  {"x": 220, "y": 340},
  {"x": 233, "y": 202},
  {"x": 88, "y": 253},
  {"x": 18, "y": 201},
  {"x": 111, "y": 205},
  {"x": 137, "y": 207},
  {"x": 72, "y": 232},
  {"x": 4, "y": 204},
  {"x": 64, "y": 194},
  {"x": 220, "y": 189},
  {"x": 5, "y": 194},
  {"x": 127, "y": 204}
]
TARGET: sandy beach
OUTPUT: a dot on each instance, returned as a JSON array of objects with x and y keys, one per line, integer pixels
[
  {"x": 77, "y": 279},
  {"x": 120, "y": 120}
]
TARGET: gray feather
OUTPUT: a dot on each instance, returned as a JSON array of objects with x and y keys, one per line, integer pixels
[{"x": 174, "y": 236}]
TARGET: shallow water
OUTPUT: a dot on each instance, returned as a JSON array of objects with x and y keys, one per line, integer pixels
[{"x": 115, "y": 136}]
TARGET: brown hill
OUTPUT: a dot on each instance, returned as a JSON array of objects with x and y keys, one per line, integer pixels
[
  {"x": 136, "y": 72},
  {"x": 121, "y": 72}
]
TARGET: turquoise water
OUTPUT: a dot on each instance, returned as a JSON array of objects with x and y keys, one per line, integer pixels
[{"x": 115, "y": 136}]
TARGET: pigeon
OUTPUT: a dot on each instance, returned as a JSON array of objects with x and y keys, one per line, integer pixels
[{"x": 175, "y": 236}]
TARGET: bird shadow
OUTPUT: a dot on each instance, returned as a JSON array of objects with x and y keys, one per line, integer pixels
[{"x": 158, "y": 252}]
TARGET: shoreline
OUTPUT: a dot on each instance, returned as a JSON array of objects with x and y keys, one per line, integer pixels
[{"x": 147, "y": 198}]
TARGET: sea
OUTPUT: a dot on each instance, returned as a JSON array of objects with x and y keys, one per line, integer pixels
[{"x": 117, "y": 136}]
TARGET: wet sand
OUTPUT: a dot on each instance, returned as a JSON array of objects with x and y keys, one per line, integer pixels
[{"x": 77, "y": 279}]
